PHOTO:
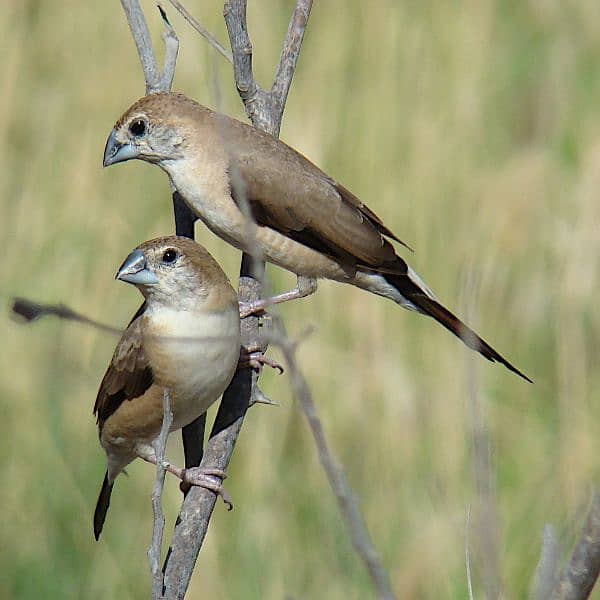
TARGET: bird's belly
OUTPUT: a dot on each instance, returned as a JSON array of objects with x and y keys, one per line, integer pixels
[
  {"x": 198, "y": 363},
  {"x": 298, "y": 258},
  {"x": 204, "y": 384},
  {"x": 217, "y": 211},
  {"x": 223, "y": 217},
  {"x": 194, "y": 358}
]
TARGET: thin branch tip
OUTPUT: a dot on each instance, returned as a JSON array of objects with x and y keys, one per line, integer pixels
[
  {"x": 163, "y": 14},
  {"x": 259, "y": 397},
  {"x": 155, "y": 547},
  {"x": 25, "y": 310},
  {"x": 209, "y": 37}
]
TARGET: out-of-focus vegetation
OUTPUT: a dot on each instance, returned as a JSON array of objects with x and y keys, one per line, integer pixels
[{"x": 473, "y": 129}]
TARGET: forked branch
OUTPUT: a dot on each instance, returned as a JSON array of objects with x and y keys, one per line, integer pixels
[{"x": 156, "y": 81}]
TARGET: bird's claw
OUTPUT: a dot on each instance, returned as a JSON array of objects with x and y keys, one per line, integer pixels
[
  {"x": 208, "y": 478},
  {"x": 255, "y": 359}
]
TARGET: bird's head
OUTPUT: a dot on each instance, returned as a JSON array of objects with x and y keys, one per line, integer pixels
[
  {"x": 176, "y": 272},
  {"x": 155, "y": 129}
]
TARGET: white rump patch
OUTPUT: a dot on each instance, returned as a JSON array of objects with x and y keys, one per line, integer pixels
[{"x": 377, "y": 284}]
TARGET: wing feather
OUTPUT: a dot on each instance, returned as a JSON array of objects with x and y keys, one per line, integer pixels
[
  {"x": 129, "y": 374},
  {"x": 288, "y": 193}
]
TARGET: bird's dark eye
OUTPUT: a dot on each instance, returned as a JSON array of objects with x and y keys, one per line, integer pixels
[
  {"x": 138, "y": 127},
  {"x": 169, "y": 256}
]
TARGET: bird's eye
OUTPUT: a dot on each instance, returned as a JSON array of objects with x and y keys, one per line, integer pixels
[
  {"x": 138, "y": 127},
  {"x": 169, "y": 256}
]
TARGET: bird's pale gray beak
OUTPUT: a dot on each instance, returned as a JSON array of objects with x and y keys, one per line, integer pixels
[
  {"x": 135, "y": 270},
  {"x": 116, "y": 152}
]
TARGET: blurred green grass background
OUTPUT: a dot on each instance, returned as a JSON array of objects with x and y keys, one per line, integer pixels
[{"x": 473, "y": 129}]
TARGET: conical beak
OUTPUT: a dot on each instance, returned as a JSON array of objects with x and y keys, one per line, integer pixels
[
  {"x": 116, "y": 152},
  {"x": 135, "y": 270}
]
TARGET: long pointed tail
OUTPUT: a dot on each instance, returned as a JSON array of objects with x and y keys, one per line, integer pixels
[
  {"x": 102, "y": 506},
  {"x": 431, "y": 307}
]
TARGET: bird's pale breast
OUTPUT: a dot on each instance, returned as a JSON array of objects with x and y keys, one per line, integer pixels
[
  {"x": 194, "y": 355},
  {"x": 208, "y": 194}
]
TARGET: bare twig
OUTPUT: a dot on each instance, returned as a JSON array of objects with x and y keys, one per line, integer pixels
[
  {"x": 468, "y": 554},
  {"x": 171, "y": 42},
  {"x": 143, "y": 43},
  {"x": 30, "y": 311},
  {"x": 207, "y": 35},
  {"x": 580, "y": 575},
  {"x": 155, "y": 80},
  {"x": 259, "y": 397},
  {"x": 337, "y": 480},
  {"x": 199, "y": 504},
  {"x": 264, "y": 109},
  {"x": 485, "y": 520},
  {"x": 154, "y": 550},
  {"x": 547, "y": 568},
  {"x": 289, "y": 55},
  {"x": 255, "y": 99}
]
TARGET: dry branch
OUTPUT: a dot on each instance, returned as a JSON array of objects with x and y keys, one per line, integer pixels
[
  {"x": 545, "y": 575},
  {"x": 580, "y": 575},
  {"x": 171, "y": 49},
  {"x": 207, "y": 35},
  {"x": 154, "y": 551},
  {"x": 337, "y": 480},
  {"x": 484, "y": 518},
  {"x": 155, "y": 80},
  {"x": 28, "y": 311}
]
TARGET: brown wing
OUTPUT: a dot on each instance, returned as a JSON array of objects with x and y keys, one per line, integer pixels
[
  {"x": 350, "y": 198},
  {"x": 291, "y": 195},
  {"x": 128, "y": 376}
]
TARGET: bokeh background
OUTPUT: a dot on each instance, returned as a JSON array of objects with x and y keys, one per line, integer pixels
[{"x": 473, "y": 129}]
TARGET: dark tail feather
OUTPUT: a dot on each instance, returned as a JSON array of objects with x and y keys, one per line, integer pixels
[
  {"x": 102, "y": 506},
  {"x": 411, "y": 291}
]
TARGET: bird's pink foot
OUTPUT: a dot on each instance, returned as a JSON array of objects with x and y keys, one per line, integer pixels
[
  {"x": 305, "y": 286},
  {"x": 208, "y": 478},
  {"x": 253, "y": 358}
]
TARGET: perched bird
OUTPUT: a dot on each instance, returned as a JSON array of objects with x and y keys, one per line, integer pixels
[
  {"x": 265, "y": 198},
  {"x": 185, "y": 338}
]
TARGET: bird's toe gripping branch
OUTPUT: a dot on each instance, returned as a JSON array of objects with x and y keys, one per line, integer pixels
[
  {"x": 208, "y": 478},
  {"x": 305, "y": 286},
  {"x": 252, "y": 357}
]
